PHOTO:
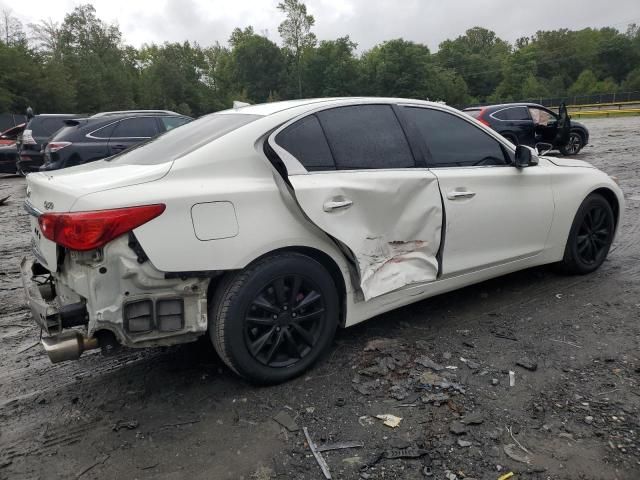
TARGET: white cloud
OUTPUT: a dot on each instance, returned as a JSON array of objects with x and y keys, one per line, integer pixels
[{"x": 368, "y": 22}]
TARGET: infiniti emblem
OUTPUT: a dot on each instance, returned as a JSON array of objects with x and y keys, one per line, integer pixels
[{"x": 48, "y": 205}]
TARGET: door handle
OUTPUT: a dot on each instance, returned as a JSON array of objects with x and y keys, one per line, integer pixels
[
  {"x": 458, "y": 194},
  {"x": 331, "y": 205}
]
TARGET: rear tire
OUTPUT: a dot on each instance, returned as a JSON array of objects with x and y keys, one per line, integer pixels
[
  {"x": 271, "y": 321},
  {"x": 590, "y": 236}
]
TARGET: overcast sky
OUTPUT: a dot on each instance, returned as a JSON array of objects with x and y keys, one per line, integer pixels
[{"x": 367, "y": 22}]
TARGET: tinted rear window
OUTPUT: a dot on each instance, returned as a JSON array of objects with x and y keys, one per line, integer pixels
[
  {"x": 45, "y": 127},
  {"x": 306, "y": 141},
  {"x": 366, "y": 137},
  {"x": 137, "y": 127},
  {"x": 180, "y": 141}
]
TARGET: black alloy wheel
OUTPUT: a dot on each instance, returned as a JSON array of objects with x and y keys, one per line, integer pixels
[
  {"x": 590, "y": 237},
  {"x": 594, "y": 234},
  {"x": 574, "y": 145},
  {"x": 282, "y": 324},
  {"x": 272, "y": 320}
]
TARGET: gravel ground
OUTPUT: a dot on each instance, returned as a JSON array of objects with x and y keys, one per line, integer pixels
[{"x": 441, "y": 365}]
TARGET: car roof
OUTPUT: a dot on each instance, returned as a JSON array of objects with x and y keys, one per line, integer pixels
[
  {"x": 504, "y": 105},
  {"x": 58, "y": 115},
  {"x": 264, "y": 109},
  {"x": 135, "y": 113}
]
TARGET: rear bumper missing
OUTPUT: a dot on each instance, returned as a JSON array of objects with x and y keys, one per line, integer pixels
[{"x": 109, "y": 290}]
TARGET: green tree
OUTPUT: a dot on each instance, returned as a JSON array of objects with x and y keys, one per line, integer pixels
[
  {"x": 257, "y": 65},
  {"x": 477, "y": 56},
  {"x": 296, "y": 33},
  {"x": 332, "y": 69}
]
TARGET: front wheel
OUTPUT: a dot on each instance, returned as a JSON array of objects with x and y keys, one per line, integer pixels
[
  {"x": 590, "y": 236},
  {"x": 574, "y": 145},
  {"x": 274, "y": 319}
]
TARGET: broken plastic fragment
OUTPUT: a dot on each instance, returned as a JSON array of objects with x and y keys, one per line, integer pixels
[{"x": 390, "y": 420}]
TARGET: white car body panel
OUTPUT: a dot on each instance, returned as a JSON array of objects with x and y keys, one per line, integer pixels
[
  {"x": 390, "y": 219},
  {"x": 490, "y": 208},
  {"x": 517, "y": 219}
]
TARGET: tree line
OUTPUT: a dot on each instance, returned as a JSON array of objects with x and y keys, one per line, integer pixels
[{"x": 84, "y": 65}]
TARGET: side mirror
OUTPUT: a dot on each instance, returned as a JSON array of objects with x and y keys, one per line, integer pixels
[{"x": 525, "y": 157}]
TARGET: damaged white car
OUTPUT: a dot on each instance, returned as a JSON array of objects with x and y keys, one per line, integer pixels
[{"x": 269, "y": 226}]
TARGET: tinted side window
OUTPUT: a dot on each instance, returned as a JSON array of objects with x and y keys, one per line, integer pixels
[
  {"x": 366, "y": 136},
  {"x": 138, "y": 127},
  {"x": 513, "y": 113},
  {"x": 104, "y": 132},
  {"x": 454, "y": 142},
  {"x": 173, "y": 122},
  {"x": 305, "y": 140}
]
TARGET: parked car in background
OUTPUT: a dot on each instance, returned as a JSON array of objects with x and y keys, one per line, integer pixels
[
  {"x": 105, "y": 134},
  {"x": 10, "y": 135},
  {"x": 34, "y": 137},
  {"x": 8, "y": 148},
  {"x": 531, "y": 124},
  {"x": 269, "y": 226}
]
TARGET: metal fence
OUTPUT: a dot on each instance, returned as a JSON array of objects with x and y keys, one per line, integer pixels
[{"x": 617, "y": 97}]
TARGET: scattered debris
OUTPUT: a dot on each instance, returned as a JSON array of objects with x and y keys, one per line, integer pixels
[
  {"x": 588, "y": 419},
  {"x": 398, "y": 392},
  {"x": 365, "y": 420},
  {"x": 435, "y": 398},
  {"x": 510, "y": 430},
  {"x": 126, "y": 424},
  {"x": 566, "y": 343},
  {"x": 511, "y": 452},
  {"x": 390, "y": 420},
  {"x": 504, "y": 333},
  {"x": 103, "y": 459},
  {"x": 321, "y": 461},
  {"x": 527, "y": 363},
  {"x": 495, "y": 381},
  {"x": 284, "y": 419},
  {"x": 409, "y": 452},
  {"x": 338, "y": 446},
  {"x": 4, "y": 199},
  {"x": 425, "y": 361},
  {"x": 381, "y": 345},
  {"x": 474, "y": 418},
  {"x": 457, "y": 428},
  {"x": 464, "y": 443},
  {"x": 512, "y": 378},
  {"x": 506, "y": 476},
  {"x": 340, "y": 402}
]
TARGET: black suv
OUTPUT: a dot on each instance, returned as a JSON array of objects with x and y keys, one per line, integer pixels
[
  {"x": 34, "y": 137},
  {"x": 102, "y": 135},
  {"x": 531, "y": 124}
]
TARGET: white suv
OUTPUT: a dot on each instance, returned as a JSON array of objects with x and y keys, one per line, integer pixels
[{"x": 268, "y": 226}]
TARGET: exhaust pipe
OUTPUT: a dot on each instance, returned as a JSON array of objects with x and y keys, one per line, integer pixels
[{"x": 68, "y": 345}]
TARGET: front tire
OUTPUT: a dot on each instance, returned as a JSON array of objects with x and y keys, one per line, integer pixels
[
  {"x": 271, "y": 321},
  {"x": 574, "y": 145},
  {"x": 590, "y": 236}
]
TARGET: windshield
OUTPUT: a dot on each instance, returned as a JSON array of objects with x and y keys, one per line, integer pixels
[{"x": 178, "y": 142}]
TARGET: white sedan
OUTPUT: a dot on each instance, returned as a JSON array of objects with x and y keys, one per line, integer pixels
[{"x": 269, "y": 226}]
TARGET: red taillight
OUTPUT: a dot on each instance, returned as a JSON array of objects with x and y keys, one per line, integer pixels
[
  {"x": 481, "y": 118},
  {"x": 89, "y": 230},
  {"x": 55, "y": 146}
]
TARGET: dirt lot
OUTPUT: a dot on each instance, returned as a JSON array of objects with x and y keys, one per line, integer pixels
[{"x": 573, "y": 343}]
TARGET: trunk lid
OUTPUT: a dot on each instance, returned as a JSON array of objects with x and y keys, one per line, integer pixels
[{"x": 59, "y": 191}]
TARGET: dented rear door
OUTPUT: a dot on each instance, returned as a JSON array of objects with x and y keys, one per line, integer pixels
[{"x": 360, "y": 182}]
